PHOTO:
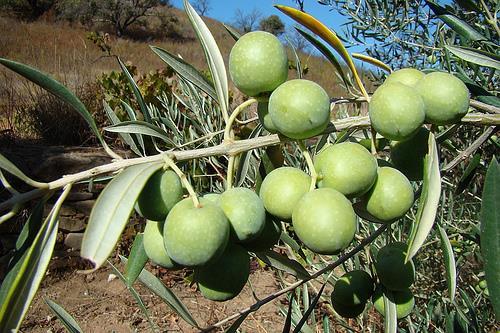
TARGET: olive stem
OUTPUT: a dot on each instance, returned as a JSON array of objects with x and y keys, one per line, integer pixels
[
  {"x": 230, "y": 172},
  {"x": 310, "y": 164},
  {"x": 291, "y": 287},
  {"x": 236, "y": 112},
  {"x": 184, "y": 180}
]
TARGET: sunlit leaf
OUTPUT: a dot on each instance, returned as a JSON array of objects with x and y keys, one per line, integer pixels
[
  {"x": 449, "y": 263},
  {"x": 311, "y": 307},
  {"x": 326, "y": 52},
  {"x": 478, "y": 57},
  {"x": 372, "y": 61},
  {"x": 186, "y": 70},
  {"x": 213, "y": 56},
  {"x": 282, "y": 263},
  {"x": 327, "y": 35},
  {"x": 137, "y": 92},
  {"x": 112, "y": 210},
  {"x": 68, "y": 321},
  {"x": 140, "y": 127},
  {"x": 428, "y": 202},
  {"x": 235, "y": 34},
  {"x": 490, "y": 233},
  {"x": 125, "y": 136},
  {"x": 136, "y": 260},
  {"x": 55, "y": 88},
  {"x": 8, "y": 166},
  {"x": 390, "y": 315},
  {"x": 24, "y": 278}
]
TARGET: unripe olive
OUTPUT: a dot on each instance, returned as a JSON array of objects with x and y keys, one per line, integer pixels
[
  {"x": 299, "y": 109},
  {"x": 403, "y": 299},
  {"x": 353, "y": 288},
  {"x": 269, "y": 236},
  {"x": 161, "y": 192},
  {"x": 224, "y": 278},
  {"x": 282, "y": 188},
  {"x": 391, "y": 196},
  {"x": 346, "y": 167},
  {"x": 245, "y": 212},
  {"x": 406, "y": 76},
  {"x": 396, "y": 111},
  {"x": 408, "y": 155},
  {"x": 154, "y": 245},
  {"x": 258, "y": 63},
  {"x": 348, "y": 311},
  {"x": 194, "y": 236},
  {"x": 324, "y": 221},
  {"x": 392, "y": 270},
  {"x": 265, "y": 117},
  {"x": 446, "y": 98}
]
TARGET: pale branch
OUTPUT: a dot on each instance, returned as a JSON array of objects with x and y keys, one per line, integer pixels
[
  {"x": 471, "y": 149},
  {"x": 291, "y": 287},
  {"x": 225, "y": 148}
]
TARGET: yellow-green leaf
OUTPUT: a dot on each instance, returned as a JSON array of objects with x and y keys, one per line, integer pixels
[{"x": 372, "y": 61}]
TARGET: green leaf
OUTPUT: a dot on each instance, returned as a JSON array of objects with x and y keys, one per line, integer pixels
[
  {"x": 56, "y": 88},
  {"x": 68, "y": 321},
  {"x": 449, "y": 263},
  {"x": 132, "y": 116},
  {"x": 390, "y": 315},
  {"x": 244, "y": 164},
  {"x": 233, "y": 32},
  {"x": 459, "y": 26},
  {"x": 288, "y": 321},
  {"x": 213, "y": 56},
  {"x": 237, "y": 323},
  {"x": 140, "y": 127},
  {"x": 137, "y": 92},
  {"x": 285, "y": 238},
  {"x": 186, "y": 71},
  {"x": 112, "y": 210},
  {"x": 428, "y": 202},
  {"x": 298, "y": 63},
  {"x": 125, "y": 136},
  {"x": 311, "y": 307},
  {"x": 469, "y": 173},
  {"x": 478, "y": 57},
  {"x": 490, "y": 233},
  {"x": 283, "y": 263},
  {"x": 136, "y": 260},
  {"x": 155, "y": 285},
  {"x": 137, "y": 297},
  {"x": 23, "y": 280},
  {"x": 8, "y": 166}
]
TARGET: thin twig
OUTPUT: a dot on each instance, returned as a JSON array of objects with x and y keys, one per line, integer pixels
[
  {"x": 471, "y": 149},
  {"x": 283, "y": 291},
  {"x": 225, "y": 148},
  {"x": 484, "y": 107},
  {"x": 184, "y": 180}
]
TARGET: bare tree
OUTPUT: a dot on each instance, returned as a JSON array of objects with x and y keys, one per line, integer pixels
[
  {"x": 272, "y": 24},
  {"x": 246, "y": 22},
  {"x": 202, "y": 6}
]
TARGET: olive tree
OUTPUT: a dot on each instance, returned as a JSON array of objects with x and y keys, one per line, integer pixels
[{"x": 325, "y": 186}]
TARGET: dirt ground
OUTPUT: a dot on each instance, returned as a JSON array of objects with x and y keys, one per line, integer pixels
[{"x": 101, "y": 304}]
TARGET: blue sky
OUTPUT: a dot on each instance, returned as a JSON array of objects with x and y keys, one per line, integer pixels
[{"x": 223, "y": 10}]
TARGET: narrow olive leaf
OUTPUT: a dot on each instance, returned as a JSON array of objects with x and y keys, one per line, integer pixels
[
  {"x": 490, "y": 233},
  {"x": 285, "y": 238},
  {"x": 324, "y": 51},
  {"x": 8, "y": 166},
  {"x": 233, "y": 32},
  {"x": 213, "y": 56},
  {"x": 125, "y": 136},
  {"x": 469, "y": 173},
  {"x": 243, "y": 166},
  {"x": 428, "y": 202},
  {"x": 327, "y": 35},
  {"x": 140, "y": 127},
  {"x": 136, "y": 296},
  {"x": 372, "y": 61},
  {"x": 390, "y": 315},
  {"x": 288, "y": 321},
  {"x": 478, "y": 57},
  {"x": 155, "y": 285},
  {"x": 136, "y": 260},
  {"x": 326, "y": 323},
  {"x": 137, "y": 92},
  {"x": 282, "y": 263},
  {"x": 186, "y": 71},
  {"x": 459, "y": 26},
  {"x": 132, "y": 116},
  {"x": 23, "y": 280},
  {"x": 112, "y": 210},
  {"x": 449, "y": 263},
  {"x": 68, "y": 321},
  {"x": 309, "y": 310},
  {"x": 298, "y": 63},
  {"x": 237, "y": 323}
]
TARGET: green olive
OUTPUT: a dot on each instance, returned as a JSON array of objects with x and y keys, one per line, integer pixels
[
  {"x": 353, "y": 288},
  {"x": 154, "y": 245},
  {"x": 392, "y": 270},
  {"x": 408, "y": 155},
  {"x": 404, "y": 300},
  {"x": 406, "y": 76},
  {"x": 258, "y": 63}
]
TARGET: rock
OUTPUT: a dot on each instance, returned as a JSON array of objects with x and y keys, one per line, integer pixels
[{"x": 73, "y": 240}]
